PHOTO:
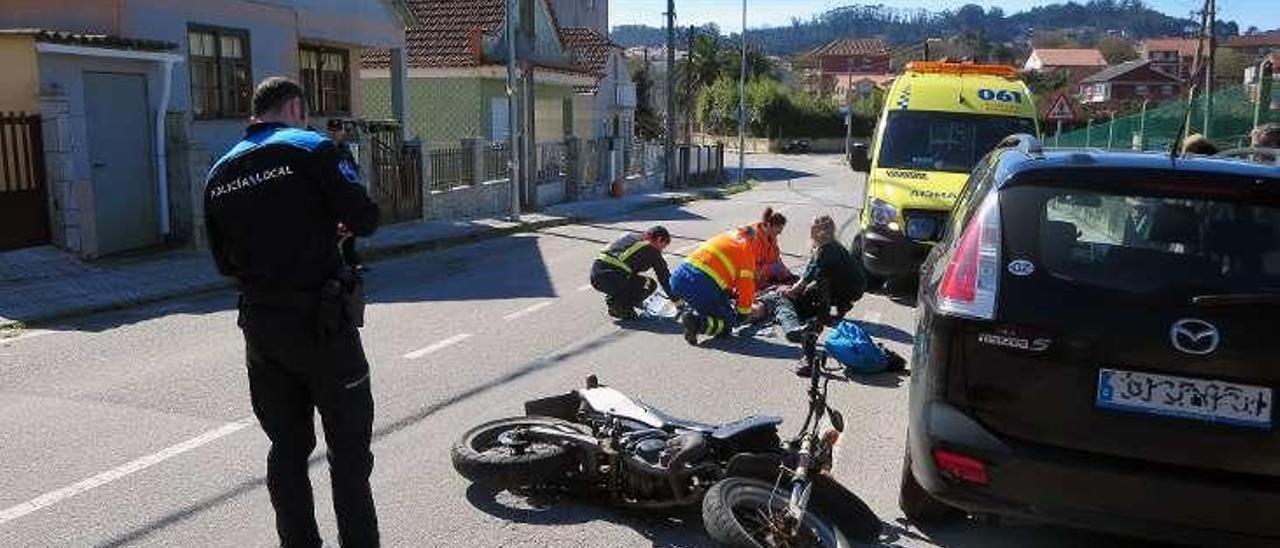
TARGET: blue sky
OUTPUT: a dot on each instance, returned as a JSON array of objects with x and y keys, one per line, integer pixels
[{"x": 760, "y": 13}]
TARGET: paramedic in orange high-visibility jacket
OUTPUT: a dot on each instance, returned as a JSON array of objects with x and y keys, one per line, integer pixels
[{"x": 717, "y": 283}]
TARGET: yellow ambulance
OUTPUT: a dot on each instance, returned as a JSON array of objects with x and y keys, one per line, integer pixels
[{"x": 939, "y": 119}]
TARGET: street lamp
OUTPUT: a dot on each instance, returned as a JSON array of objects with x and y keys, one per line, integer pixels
[{"x": 742, "y": 103}]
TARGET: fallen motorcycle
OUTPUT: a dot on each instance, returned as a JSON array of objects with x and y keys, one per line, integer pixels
[
  {"x": 788, "y": 499},
  {"x": 600, "y": 439},
  {"x": 754, "y": 490}
]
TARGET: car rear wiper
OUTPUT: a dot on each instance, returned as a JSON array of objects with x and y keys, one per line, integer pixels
[{"x": 1233, "y": 299}]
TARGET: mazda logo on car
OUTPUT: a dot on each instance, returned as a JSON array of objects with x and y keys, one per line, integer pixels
[{"x": 1196, "y": 337}]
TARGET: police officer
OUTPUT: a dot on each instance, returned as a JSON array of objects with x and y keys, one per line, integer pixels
[
  {"x": 616, "y": 271},
  {"x": 273, "y": 206}
]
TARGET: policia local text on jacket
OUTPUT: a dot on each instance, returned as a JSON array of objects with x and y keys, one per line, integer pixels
[
  {"x": 616, "y": 271},
  {"x": 272, "y": 207}
]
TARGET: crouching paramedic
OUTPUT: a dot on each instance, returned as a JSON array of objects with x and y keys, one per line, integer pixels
[
  {"x": 616, "y": 271},
  {"x": 718, "y": 283}
]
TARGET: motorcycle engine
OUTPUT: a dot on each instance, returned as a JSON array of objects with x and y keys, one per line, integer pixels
[{"x": 650, "y": 450}]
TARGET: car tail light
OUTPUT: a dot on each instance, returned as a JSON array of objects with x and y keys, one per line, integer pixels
[
  {"x": 961, "y": 467},
  {"x": 972, "y": 278}
]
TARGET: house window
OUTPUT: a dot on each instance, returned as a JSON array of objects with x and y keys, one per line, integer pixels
[
  {"x": 1167, "y": 90},
  {"x": 221, "y": 78},
  {"x": 1140, "y": 90},
  {"x": 326, "y": 79}
]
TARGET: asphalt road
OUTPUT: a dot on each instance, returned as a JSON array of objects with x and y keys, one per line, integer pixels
[{"x": 134, "y": 427}]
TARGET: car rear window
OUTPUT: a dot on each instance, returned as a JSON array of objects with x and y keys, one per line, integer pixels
[{"x": 1144, "y": 243}]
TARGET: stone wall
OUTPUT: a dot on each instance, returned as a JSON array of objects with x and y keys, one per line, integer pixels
[{"x": 489, "y": 199}]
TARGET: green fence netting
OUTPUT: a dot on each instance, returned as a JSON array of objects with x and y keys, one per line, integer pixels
[{"x": 1157, "y": 127}]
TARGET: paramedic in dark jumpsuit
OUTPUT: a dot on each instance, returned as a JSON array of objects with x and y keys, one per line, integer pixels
[
  {"x": 616, "y": 271},
  {"x": 273, "y": 205}
]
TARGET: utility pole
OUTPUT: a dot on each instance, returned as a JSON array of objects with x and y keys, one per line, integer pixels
[
  {"x": 669, "y": 145},
  {"x": 742, "y": 103},
  {"x": 1210, "y": 18},
  {"x": 1262, "y": 109},
  {"x": 513, "y": 126}
]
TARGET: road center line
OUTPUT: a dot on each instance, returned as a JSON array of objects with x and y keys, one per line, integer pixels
[
  {"x": 437, "y": 346},
  {"x": 526, "y": 311},
  {"x": 137, "y": 465}
]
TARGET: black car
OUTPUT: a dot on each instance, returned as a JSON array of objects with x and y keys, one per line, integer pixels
[{"x": 1098, "y": 345}]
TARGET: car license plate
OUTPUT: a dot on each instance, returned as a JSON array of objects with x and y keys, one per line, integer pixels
[{"x": 1200, "y": 399}]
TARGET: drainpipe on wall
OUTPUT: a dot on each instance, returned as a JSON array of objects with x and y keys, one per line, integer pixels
[{"x": 162, "y": 160}]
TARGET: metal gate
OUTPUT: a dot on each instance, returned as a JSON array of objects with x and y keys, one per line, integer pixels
[
  {"x": 395, "y": 178},
  {"x": 24, "y": 213}
]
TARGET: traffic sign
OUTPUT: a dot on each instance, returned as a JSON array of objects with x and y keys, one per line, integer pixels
[{"x": 1060, "y": 110}]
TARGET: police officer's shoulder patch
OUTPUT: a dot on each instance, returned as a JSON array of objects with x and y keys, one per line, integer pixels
[{"x": 349, "y": 171}]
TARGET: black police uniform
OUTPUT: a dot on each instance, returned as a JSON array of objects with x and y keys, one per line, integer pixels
[
  {"x": 616, "y": 273},
  {"x": 272, "y": 206}
]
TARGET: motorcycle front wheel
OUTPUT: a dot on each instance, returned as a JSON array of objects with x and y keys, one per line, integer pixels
[
  {"x": 749, "y": 513},
  {"x": 493, "y": 454}
]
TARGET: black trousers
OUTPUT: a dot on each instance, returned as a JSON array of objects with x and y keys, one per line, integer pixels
[
  {"x": 293, "y": 373},
  {"x": 621, "y": 290}
]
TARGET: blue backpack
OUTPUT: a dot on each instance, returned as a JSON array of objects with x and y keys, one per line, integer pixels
[{"x": 851, "y": 346}]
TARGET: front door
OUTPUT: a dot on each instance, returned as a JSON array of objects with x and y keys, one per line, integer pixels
[{"x": 120, "y": 161}]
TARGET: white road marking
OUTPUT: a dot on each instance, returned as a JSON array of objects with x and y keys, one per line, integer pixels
[
  {"x": 437, "y": 346},
  {"x": 137, "y": 465},
  {"x": 584, "y": 287},
  {"x": 527, "y": 310}
]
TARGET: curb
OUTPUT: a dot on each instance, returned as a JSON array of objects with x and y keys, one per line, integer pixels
[{"x": 380, "y": 253}]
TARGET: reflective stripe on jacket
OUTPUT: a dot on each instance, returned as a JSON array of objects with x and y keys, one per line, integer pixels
[
  {"x": 616, "y": 259},
  {"x": 729, "y": 259}
]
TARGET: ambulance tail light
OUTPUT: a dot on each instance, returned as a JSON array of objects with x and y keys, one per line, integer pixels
[{"x": 972, "y": 280}]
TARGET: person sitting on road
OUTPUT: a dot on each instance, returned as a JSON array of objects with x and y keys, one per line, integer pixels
[
  {"x": 616, "y": 271},
  {"x": 769, "y": 267},
  {"x": 1199, "y": 144},
  {"x": 719, "y": 272},
  {"x": 831, "y": 278}
]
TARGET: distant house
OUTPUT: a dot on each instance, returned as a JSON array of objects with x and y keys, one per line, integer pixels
[
  {"x": 1255, "y": 46},
  {"x": 861, "y": 84},
  {"x": 137, "y": 97},
  {"x": 829, "y": 69},
  {"x": 1172, "y": 56},
  {"x": 1077, "y": 63},
  {"x": 457, "y": 74},
  {"x": 1127, "y": 84}
]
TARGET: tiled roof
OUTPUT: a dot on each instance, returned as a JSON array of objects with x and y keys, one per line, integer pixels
[
  {"x": 1186, "y": 47},
  {"x": 1070, "y": 57},
  {"x": 448, "y": 34},
  {"x": 1269, "y": 39},
  {"x": 591, "y": 50},
  {"x": 849, "y": 46},
  {"x": 92, "y": 40},
  {"x": 1113, "y": 72}
]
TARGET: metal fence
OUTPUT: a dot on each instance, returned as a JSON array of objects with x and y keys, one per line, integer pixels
[
  {"x": 497, "y": 161},
  {"x": 24, "y": 215},
  {"x": 551, "y": 162},
  {"x": 450, "y": 168},
  {"x": 1157, "y": 126}
]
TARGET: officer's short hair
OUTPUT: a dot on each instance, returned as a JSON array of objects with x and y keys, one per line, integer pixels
[
  {"x": 272, "y": 94},
  {"x": 658, "y": 232}
]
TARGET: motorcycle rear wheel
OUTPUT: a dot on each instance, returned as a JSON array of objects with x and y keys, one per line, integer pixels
[
  {"x": 480, "y": 456},
  {"x": 749, "y": 513}
]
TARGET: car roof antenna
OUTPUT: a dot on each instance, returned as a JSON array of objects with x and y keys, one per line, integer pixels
[{"x": 1175, "y": 149}]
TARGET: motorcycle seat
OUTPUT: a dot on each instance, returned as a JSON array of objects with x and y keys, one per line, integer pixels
[{"x": 722, "y": 431}]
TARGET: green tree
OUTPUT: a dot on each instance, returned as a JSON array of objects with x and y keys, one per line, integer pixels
[
  {"x": 648, "y": 124},
  {"x": 1230, "y": 65},
  {"x": 1117, "y": 50}
]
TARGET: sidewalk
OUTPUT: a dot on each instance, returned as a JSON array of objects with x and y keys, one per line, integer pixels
[{"x": 42, "y": 284}]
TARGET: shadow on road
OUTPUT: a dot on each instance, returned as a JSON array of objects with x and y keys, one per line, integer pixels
[
  {"x": 975, "y": 534},
  {"x": 683, "y": 529},
  {"x": 771, "y": 174},
  {"x": 885, "y": 331},
  {"x": 753, "y": 347}
]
